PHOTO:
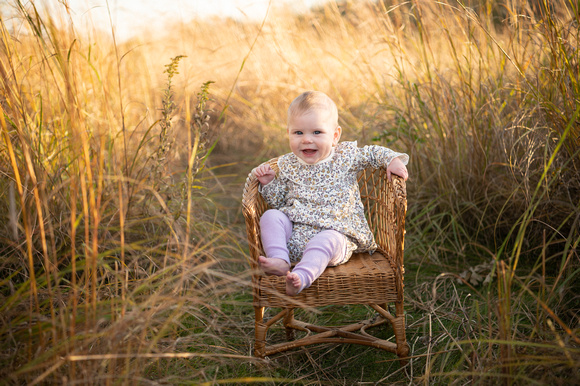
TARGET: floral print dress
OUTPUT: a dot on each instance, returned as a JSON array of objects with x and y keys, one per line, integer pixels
[{"x": 326, "y": 195}]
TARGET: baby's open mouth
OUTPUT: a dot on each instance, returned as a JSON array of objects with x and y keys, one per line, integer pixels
[{"x": 309, "y": 151}]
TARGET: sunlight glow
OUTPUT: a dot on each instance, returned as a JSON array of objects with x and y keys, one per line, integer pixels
[{"x": 131, "y": 16}]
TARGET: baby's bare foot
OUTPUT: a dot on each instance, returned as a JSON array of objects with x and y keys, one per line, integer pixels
[
  {"x": 293, "y": 284},
  {"x": 273, "y": 266}
]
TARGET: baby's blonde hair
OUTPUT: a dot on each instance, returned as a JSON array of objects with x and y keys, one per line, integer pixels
[{"x": 310, "y": 100}]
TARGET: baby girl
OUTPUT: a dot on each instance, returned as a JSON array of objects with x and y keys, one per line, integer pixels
[{"x": 318, "y": 220}]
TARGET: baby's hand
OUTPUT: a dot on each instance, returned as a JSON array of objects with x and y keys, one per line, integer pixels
[
  {"x": 397, "y": 167},
  {"x": 265, "y": 174}
]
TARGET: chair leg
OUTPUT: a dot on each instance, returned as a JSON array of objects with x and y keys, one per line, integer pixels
[
  {"x": 260, "y": 329},
  {"x": 400, "y": 336},
  {"x": 288, "y": 320}
]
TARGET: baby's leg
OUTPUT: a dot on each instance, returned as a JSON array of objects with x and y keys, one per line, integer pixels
[
  {"x": 321, "y": 249},
  {"x": 276, "y": 229}
]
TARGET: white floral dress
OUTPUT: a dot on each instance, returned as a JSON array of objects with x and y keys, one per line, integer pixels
[{"x": 326, "y": 195}]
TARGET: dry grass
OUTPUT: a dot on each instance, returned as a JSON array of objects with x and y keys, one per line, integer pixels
[{"x": 122, "y": 245}]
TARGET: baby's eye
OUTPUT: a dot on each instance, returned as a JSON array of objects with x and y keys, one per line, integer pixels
[
  {"x": 317, "y": 132},
  {"x": 298, "y": 132}
]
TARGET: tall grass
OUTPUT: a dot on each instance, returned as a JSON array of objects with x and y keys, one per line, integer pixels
[
  {"x": 121, "y": 247},
  {"x": 491, "y": 117},
  {"x": 108, "y": 253}
]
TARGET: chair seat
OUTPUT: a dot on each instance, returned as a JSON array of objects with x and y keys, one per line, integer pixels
[{"x": 364, "y": 279}]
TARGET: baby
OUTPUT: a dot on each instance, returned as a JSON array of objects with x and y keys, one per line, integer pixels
[{"x": 319, "y": 217}]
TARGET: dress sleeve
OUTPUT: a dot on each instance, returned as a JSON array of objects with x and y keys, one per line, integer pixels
[
  {"x": 274, "y": 193},
  {"x": 376, "y": 156}
]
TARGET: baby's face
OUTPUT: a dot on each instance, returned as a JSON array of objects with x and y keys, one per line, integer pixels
[{"x": 312, "y": 135}]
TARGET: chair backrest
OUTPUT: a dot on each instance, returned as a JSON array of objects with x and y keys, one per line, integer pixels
[{"x": 385, "y": 205}]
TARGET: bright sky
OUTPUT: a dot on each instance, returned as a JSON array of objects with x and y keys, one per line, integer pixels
[{"x": 130, "y": 15}]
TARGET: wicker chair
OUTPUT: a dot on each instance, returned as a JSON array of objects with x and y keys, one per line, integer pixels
[{"x": 375, "y": 280}]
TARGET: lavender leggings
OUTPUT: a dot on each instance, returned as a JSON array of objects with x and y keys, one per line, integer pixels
[{"x": 326, "y": 248}]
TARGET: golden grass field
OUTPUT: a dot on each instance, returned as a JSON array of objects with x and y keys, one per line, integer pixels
[{"x": 123, "y": 251}]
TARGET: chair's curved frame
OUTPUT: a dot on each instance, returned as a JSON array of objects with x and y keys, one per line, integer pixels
[{"x": 375, "y": 280}]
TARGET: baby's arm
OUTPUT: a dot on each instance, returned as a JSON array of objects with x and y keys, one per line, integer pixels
[
  {"x": 272, "y": 189},
  {"x": 396, "y": 166},
  {"x": 379, "y": 156},
  {"x": 265, "y": 174}
]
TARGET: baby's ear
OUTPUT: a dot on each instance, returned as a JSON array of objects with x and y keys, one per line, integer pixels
[{"x": 337, "y": 134}]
